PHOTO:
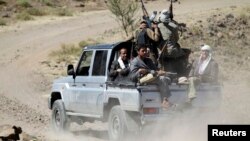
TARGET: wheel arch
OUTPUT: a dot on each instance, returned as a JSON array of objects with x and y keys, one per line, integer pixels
[
  {"x": 112, "y": 101},
  {"x": 54, "y": 96}
]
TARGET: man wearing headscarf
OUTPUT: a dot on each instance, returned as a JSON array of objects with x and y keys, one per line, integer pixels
[
  {"x": 168, "y": 28},
  {"x": 204, "y": 70},
  {"x": 120, "y": 67},
  {"x": 171, "y": 52}
]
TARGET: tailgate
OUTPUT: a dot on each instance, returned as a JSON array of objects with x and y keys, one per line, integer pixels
[{"x": 150, "y": 97}]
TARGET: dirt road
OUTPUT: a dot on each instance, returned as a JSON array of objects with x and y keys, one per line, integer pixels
[{"x": 24, "y": 45}]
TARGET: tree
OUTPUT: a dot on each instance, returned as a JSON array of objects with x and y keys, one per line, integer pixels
[{"x": 124, "y": 11}]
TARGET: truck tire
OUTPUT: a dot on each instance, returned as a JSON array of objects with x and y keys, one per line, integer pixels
[
  {"x": 60, "y": 121},
  {"x": 117, "y": 127}
]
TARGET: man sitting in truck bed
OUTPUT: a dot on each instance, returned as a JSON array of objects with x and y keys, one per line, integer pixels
[
  {"x": 120, "y": 67},
  {"x": 142, "y": 65},
  {"x": 204, "y": 70}
]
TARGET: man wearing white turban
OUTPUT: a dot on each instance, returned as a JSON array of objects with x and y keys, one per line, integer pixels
[
  {"x": 204, "y": 70},
  {"x": 171, "y": 51},
  {"x": 168, "y": 28}
]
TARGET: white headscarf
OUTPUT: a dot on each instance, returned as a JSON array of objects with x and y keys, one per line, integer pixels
[
  {"x": 164, "y": 16},
  {"x": 122, "y": 65},
  {"x": 203, "y": 64}
]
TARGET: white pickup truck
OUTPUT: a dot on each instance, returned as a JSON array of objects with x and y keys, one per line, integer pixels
[{"x": 87, "y": 94}]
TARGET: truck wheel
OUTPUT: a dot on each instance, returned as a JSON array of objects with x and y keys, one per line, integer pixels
[
  {"x": 117, "y": 128},
  {"x": 60, "y": 121}
]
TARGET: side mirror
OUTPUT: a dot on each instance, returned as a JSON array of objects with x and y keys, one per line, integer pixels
[{"x": 71, "y": 71}]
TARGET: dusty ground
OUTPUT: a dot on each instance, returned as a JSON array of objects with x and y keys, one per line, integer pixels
[{"x": 25, "y": 45}]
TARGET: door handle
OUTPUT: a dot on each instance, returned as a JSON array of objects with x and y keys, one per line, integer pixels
[
  {"x": 84, "y": 85},
  {"x": 101, "y": 85}
]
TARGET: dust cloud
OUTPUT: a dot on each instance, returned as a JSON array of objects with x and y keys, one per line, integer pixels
[{"x": 191, "y": 124}]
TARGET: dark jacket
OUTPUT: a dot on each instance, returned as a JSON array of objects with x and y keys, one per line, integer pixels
[
  {"x": 137, "y": 63},
  {"x": 210, "y": 74},
  {"x": 115, "y": 65},
  {"x": 154, "y": 38}
]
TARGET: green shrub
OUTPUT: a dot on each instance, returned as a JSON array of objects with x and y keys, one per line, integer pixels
[
  {"x": 46, "y": 2},
  {"x": 24, "y": 3},
  {"x": 67, "y": 53},
  {"x": 87, "y": 42},
  {"x": 2, "y": 22},
  {"x": 63, "y": 12},
  {"x": 36, "y": 12},
  {"x": 244, "y": 18},
  {"x": 24, "y": 16},
  {"x": 2, "y": 2}
]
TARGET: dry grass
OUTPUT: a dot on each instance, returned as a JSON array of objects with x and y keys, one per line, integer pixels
[
  {"x": 36, "y": 12},
  {"x": 88, "y": 42},
  {"x": 24, "y": 16},
  {"x": 63, "y": 12},
  {"x": 2, "y": 22},
  {"x": 66, "y": 54},
  {"x": 24, "y": 3}
]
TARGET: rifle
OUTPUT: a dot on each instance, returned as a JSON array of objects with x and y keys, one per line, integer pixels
[
  {"x": 145, "y": 14},
  {"x": 171, "y": 10}
]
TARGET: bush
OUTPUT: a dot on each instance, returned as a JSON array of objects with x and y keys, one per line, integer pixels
[
  {"x": 67, "y": 53},
  {"x": 24, "y": 16},
  {"x": 87, "y": 42},
  {"x": 124, "y": 12},
  {"x": 63, "y": 12},
  {"x": 2, "y": 2},
  {"x": 2, "y": 22},
  {"x": 24, "y": 3},
  {"x": 36, "y": 12},
  {"x": 46, "y": 2}
]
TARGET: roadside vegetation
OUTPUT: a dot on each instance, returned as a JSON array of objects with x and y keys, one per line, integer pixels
[
  {"x": 2, "y": 22},
  {"x": 65, "y": 55},
  {"x": 124, "y": 12},
  {"x": 69, "y": 53}
]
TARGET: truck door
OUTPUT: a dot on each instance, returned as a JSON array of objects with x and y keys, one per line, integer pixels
[
  {"x": 90, "y": 83},
  {"x": 81, "y": 87},
  {"x": 97, "y": 84}
]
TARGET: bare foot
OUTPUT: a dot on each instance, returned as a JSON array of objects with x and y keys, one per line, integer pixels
[{"x": 165, "y": 103}]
